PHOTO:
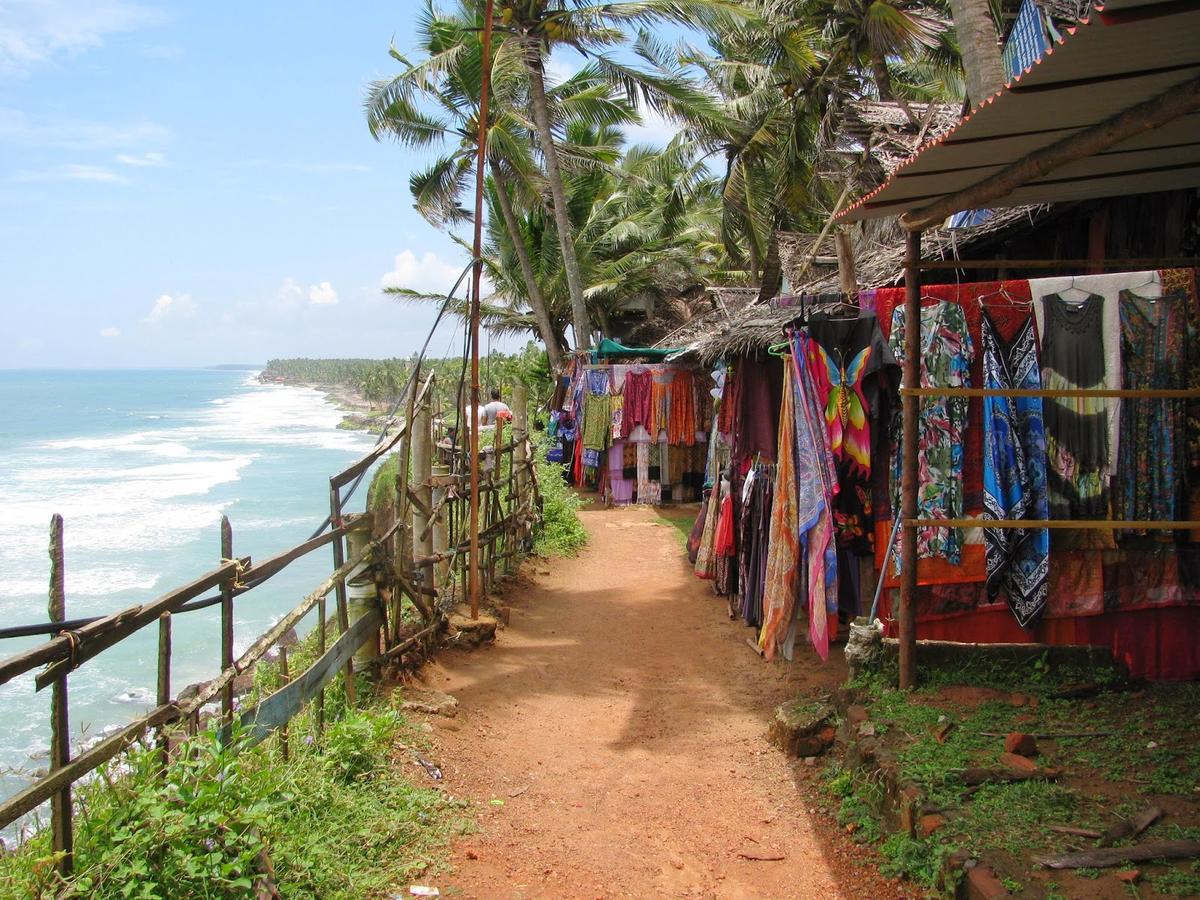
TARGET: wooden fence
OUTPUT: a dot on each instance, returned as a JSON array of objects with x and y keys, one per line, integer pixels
[{"x": 406, "y": 563}]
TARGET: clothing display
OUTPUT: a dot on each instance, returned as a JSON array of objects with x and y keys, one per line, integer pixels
[
  {"x": 1014, "y": 472},
  {"x": 1156, "y": 349},
  {"x": 946, "y": 356}
]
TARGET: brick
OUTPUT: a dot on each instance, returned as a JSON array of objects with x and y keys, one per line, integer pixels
[
  {"x": 1018, "y": 763},
  {"x": 930, "y": 823},
  {"x": 1021, "y": 744},
  {"x": 857, "y": 714},
  {"x": 982, "y": 884},
  {"x": 1129, "y": 876}
]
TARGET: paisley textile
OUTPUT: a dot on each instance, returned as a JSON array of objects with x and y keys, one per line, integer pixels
[{"x": 1014, "y": 473}]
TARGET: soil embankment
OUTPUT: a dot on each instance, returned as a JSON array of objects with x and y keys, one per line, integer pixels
[{"x": 614, "y": 740}]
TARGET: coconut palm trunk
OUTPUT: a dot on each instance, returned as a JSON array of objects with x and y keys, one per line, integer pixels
[
  {"x": 537, "y": 303},
  {"x": 558, "y": 194},
  {"x": 980, "y": 48}
]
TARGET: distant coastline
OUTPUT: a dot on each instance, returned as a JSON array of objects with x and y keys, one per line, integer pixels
[{"x": 358, "y": 413}]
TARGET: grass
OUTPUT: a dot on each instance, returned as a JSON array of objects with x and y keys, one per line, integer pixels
[
  {"x": 338, "y": 819},
  {"x": 1145, "y": 750}
]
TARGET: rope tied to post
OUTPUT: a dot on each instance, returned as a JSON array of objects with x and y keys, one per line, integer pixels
[
  {"x": 239, "y": 568},
  {"x": 73, "y": 641}
]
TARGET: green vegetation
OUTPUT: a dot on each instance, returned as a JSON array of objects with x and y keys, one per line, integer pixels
[
  {"x": 560, "y": 532},
  {"x": 335, "y": 820},
  {"x": 1135, "y": 745},
  {"x": 381, "y": 381}
]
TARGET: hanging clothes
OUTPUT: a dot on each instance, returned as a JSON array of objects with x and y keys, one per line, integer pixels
[
  {"x": 756, "y": 422},
  {"x": 816, "y": 491},
  {"x": 1014, "y": 472},
  {"x": 946, "y": 362},
  {"x": 783, "y": 541},
  {"x": 853, "y": 370},
  {"x": 1156, "y": 352},
  {"x": 681, "y": 417},
  {"x": 1183, "y": 281},
  {"x": 657, "y": 421},
  {"x": 1077, "y": 444},
  {"x": 636, "y": 407},
  {"x": 752, "y": 540}
]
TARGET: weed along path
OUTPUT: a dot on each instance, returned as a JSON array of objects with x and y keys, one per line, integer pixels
[{"x": 614, "y": 739}]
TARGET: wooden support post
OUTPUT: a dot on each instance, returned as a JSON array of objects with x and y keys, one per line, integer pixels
[
  {"x": 284, "y": 678},
  {"x": 339, "y": 558},
  {"x": 422, "y": 463},
  {"x": 60, "y": 726},
  {"x": 440, "y": 532},
  {"x": 520, "y": 457},
  {"x": 320, "y": 704},
  {"x": 164, "y": 683},
  {"x": 845, "y": 258},
  {"x": 908, "y": 483},
  {"x": 226, "y": 621}
]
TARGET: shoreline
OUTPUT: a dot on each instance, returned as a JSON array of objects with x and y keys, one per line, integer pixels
[{"x": 358, "y": 413}]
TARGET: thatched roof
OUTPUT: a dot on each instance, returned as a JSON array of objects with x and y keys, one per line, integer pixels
[{"x": 756, "y": 325}]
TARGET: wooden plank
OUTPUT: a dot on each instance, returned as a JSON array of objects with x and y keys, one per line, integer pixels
[
  {"x": 907, "y": 613},
  {"x": 62, "y": 833},
  {"x": 42, "y": 790},
  {"x": 1128, "y": 393},
  {"x": 1113, "y": 856},
  {"x": 1090, "y": 524},
  {"x": 99, "y": 636},
  {"x": 257, "y": 574},
  {"x": 335, "y": 512},
  {"x": 164, "y": 679},
  {"x": 1108, "y": 265},
  {"x": 278, "y": 709}
]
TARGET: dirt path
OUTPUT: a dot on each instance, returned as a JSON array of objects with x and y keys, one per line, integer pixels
[{"x": 614, "y": 739}]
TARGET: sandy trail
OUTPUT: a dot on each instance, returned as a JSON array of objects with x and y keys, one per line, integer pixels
[{"x": 615, "y": 738}]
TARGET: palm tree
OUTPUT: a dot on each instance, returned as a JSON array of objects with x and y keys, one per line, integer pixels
[
  {"x": 587, "y": 27},
  {"x": 977, "y": 40}
]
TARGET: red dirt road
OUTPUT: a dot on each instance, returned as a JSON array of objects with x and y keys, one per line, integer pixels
[{"x": 614, "y": 740}]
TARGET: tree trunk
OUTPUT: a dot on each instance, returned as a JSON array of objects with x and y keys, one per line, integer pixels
[
  {"x": 537, "y": 302},
  {"x": 566, "y": 239},
  {"x": 980, "y": 48},
  {"x": 883, "y": 82}
]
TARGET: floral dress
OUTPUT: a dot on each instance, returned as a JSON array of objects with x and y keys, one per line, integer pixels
[
  {"x": 945, "y": 362},
  {"x": 1151, "y": 455}
]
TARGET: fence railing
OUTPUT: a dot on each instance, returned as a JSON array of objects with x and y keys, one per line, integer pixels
[{"x": 404, "y": 563}]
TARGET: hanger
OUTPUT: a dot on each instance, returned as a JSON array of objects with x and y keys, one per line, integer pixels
[
  {"x": 1072, "y": 287},
  {"x": 1004, "y": 294},
  {"x": 782, "y": 348},
  {"x": 1151, "y": 275}
]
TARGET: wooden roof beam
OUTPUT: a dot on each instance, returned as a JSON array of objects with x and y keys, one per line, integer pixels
[{"x": 1145, "y": 116}]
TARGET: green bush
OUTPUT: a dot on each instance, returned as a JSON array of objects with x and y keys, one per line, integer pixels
[{"x": 560, "y": 533}]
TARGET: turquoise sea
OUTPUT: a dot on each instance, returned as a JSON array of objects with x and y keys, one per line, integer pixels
[{"x": 141, "y": 464}]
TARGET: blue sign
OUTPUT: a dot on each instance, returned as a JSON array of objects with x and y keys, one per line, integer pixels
[{"x": 1026, "y": 42}]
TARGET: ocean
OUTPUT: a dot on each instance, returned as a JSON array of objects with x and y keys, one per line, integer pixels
[{"x": 141, "y": 464}]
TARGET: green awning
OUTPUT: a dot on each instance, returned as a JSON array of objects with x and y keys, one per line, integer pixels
[{"x": 608, "y": 349}]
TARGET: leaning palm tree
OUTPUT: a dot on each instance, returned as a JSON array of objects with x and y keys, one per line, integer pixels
[
  {"x": 592, "y": 27},
  {"x": 435, "y": 102}
]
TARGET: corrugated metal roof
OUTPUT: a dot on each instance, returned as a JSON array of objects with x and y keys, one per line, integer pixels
[{"x": 1127, "y": 52}]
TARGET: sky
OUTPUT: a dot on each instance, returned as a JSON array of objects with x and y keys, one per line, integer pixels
[{"x": 189, "y": 184}]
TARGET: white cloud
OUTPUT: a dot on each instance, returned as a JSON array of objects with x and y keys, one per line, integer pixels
[
  {"x": 654, "y": 129},
  {"x": 110, "y": 331},
  {"x": 322, "y": 294},
  {"x": 62, "y": 133},
  {"x": 74, "y": 172},
  {"x": 430, "y": 273},
  {"x": 37, "y": 31},
  {"x": 141, "y": 159},
  {"x": 289, "y": 293},
  {"x": 166, "y": 305}
]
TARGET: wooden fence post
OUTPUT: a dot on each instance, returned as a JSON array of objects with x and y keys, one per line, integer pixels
[
  {"x": 227, "y": 621},
  {"x": 60, "y": 726},
  {"x": 339, "y": 557},
  {"x": 422, "y": 473},
  {"x": 283, "y": 680},
  {"x": 441, "y": 533},
  {"x": 164, "y": 683}
]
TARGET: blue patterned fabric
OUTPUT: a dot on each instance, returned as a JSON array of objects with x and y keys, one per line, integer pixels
[{"x": 1014, "y": 473}]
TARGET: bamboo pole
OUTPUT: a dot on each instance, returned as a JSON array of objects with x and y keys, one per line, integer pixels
[
  {"x": 1129, "y": 393},
  {"x": 1114, "y": 264},
  {"x": 284, "y": 678},
  {"x": 908, "y": 483},
  {"x": 422, "y": 462},
  {"x": 476, "y": 278},
  {"x": 441, "y": 535},
  {"x": 339, "y": 558},
  {"x": 227, "y": 621},
  {"x": 1085, "y": 524},
  {"x": 164, "y": 683},
  {"x": 60, "y": 726}
]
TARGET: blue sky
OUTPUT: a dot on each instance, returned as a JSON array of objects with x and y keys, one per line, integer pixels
[{"x": 188, "y": 184}]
